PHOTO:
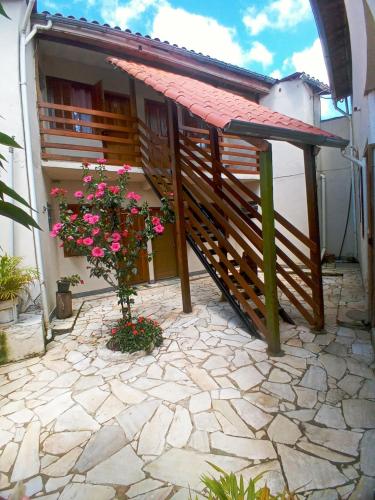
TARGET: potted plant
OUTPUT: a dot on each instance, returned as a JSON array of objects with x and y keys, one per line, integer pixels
[
  {"x": 65, "y": 282},
  {"x": 14, "y": 280}
]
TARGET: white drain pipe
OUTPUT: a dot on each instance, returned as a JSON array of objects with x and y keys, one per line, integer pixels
[
  {"x": 324, "y": 216},
  {"x": 11, "y": 200},
  {"x": 24, "y": 40}
]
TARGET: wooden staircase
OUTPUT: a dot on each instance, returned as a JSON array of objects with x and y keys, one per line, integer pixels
[{"x": 223, "y": 225}]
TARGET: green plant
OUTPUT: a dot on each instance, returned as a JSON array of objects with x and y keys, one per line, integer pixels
[
  {"x": 229, "y": 487},
  {"x": 73, "y": 279},
  {"x": 13, "y": 278},
  {"x": 143, "y": 334},
  {"x": 3, "y": 348}
]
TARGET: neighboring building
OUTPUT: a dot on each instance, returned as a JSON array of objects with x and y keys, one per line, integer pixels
[
  {"x": 347, "y": 32},
  {"x": 74, "y": 106}
]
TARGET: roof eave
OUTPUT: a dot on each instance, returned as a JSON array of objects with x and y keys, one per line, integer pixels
[{"x": 240, "y": 127}]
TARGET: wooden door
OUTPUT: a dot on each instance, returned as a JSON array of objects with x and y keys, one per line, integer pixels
[
  {"x": 119, "y": 104},
  {"x": 164, "y": 248},
  {"x": 142, "y": 263},
  {"x": 157, "y": 117}
]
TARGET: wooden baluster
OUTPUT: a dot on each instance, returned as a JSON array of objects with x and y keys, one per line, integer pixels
[
  {"x": 313, "y": 221},
  {"x": 269, "y": 252},
  {"x": 182, "y": 257},
  {"x": 134, "y": 114}
]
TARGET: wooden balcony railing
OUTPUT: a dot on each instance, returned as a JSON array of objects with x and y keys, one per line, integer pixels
[
  {"x": 237, "y": 156},
  {"x": 71, "y": 133}
]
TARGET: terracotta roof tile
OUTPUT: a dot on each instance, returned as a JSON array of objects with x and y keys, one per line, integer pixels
[{"x": 220, "y": 107}]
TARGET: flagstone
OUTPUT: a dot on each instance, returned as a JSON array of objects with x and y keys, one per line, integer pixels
[
  {"x": 12, "y": 407},
  {"x": 350, "y": 384},
  {"x": 364, "y": 489},
  {"x": 255, "y": 449},
  {"x": 214, "y": 362},
  {"x": 278, "y": 375},
  {"x": 339, "y": 440},
  {"x": 330, "y": 416},
  {"x": 253, "y": 416},
  {"x": 102, "y": 445},
  {"x": 304, "y": 472},
  {"x": 199, "y": 441},
  {"x": 206, "y": 421},
  {"x": 357, "y": 368},
  {"x": 232, "y": 423},
  {"x": 247, "y": 377},
  {"x": 200, "y": 402},
  {"x": 75, "y": 419},
  {"x": 334, "y": 365},
  {"x": 124, "y": 467},
  {"x": 315, "y": 378},
  {"x": 367, "y": 453},
  {"x": 241, "y": 358},
  {"x": 172, "y": 392},
  {"x": 271, "y": 475},
  {"x": 86, "y": 382},
  {"x": 91, "y": 399},
  {"x": 62, "y": 442},
  {"x": 180, "y": 429},
  {"x": 56, "y": 483},
  {"x": 109, "y": 409},
  {"x": 125, "y": 393},
  {"x": 13, "y": 386},
  {"x": 202, "y": 378},
  {"x": 65, "y": 380},
  {"x": 264, "y": 401},
  {"x": 63, "y": 465},
  {"x": 8, "y": 456},
  {"x": 323, "y": 452},
  {"x": 22, "y": 417},
  {"x": 284, "y": 391},
  {"x": 301, "y": 415},
  {"x": 359, "y": 413},
  {"x": 368, "y": 390},
  {"x": 283, "y": 430},
  {"x": 143, "y": 487},
  {"x": 54, "y": 408},
  {"x": 77, "y": 491},
  {"x": 173, "y": 373},
  {"x": 334, "y": 396},
  {"x": 175, "y": 467},
  {"x": 27, "y": 463},
  {"x": 152, "y": 438}
]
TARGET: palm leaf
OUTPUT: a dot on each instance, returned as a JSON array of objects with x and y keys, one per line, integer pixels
[
  {"x": 17, "y": 214},
  {"x": 4, "y": 189},
  {"x": 6, "y": 140}
]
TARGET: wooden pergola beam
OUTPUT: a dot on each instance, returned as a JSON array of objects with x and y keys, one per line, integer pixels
[{"x": 182, "y": 258}]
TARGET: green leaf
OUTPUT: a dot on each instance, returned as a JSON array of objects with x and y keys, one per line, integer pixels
[
  {"x": 4, "y": 189},
  {"x": 3, "y": 13},
  {"x": 2, "y": 158},
  {"x": 6, "y": 140},
  {"x": 17, "y": 214}
]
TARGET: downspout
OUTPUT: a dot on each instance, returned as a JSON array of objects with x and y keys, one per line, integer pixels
[
  {"x": 324, "y": 216},
  {"x": 353, "y": 161},
  {"x": 24, "y": 40},
  {"x": 11, "y": 185}
]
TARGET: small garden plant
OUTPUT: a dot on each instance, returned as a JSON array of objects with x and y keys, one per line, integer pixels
[
  {"x": 104, "y": 230},
  {"x": 14, "y": 279}
]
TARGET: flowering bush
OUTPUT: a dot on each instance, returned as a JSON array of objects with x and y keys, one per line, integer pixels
[
  {"x": 142, "y": 334},
  {"x": 104, "y": 229}
]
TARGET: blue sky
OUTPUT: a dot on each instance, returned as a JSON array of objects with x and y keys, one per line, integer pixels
[{"x": 272, "y": 37}]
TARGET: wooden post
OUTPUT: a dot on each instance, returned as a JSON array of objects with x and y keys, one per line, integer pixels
[
  {"x": 64, "y": 305},
  {"x": 134, "y": 114},
  {"x": 269, "y": 252},
  {"x": 314, "y": 234},
  {"x": 217, "y": 180},
  {"x": 182, "y": 258}
]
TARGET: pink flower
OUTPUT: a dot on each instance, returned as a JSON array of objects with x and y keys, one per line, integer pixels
[
  {"x": 89, "y": 197},
  {"x": 73, "y": 217},
  {"x": 87, "y": 217},
  {"x": 79, "y": 241},
  {"x": 101, "y": 161},
  {"x": 87, "y": 241},
  {"x": 116, "y": 236},
  {"x": 97, "y": 252},
  {"x": 115, "y": 247},
  {"x": 133, "y": 196},
  {"x": 94, "y": 219},
  {"x": 125, "y": 233},
  {"x": 99, "y": 194},
  {"x": 57, "y": 227},
  {"x": 124, "y": 169},
  {"x": 78, "y": 194},
  {"x": 87, "y": 178},
  {"x": 55, "y": 192},
  {"x": 53, "y": 234},
  {"x": 114, "y": 189},
  {"x": 155, "y": 221},
  {"x": 70, "y": 238},
  {"x": 102, "y": 186},
  {"x": 95, "y": 231},
  {"x": 159, "y": 228},
  {"x": 134, "y": 210}
]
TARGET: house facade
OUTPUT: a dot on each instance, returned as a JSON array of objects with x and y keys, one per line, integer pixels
[
  {"x": 347, "y": 31},
  {"x": 68, "y": 98}
]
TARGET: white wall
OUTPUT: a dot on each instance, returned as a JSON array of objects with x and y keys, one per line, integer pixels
[
  {"x": 337, "y": 170},
  {"x": 295, "y": 99}
]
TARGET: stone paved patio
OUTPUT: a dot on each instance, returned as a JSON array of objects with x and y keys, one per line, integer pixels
[{"x": 85, "y": 423}]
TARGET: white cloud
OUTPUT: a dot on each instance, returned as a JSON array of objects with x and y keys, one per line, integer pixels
[
  {"x": 120, "y": 15},
  {"x": 261, "y": 54},
  {"x": 276, "y": 74},
  {"x": 279, "y": 14},
  {"x": 200, "y": 33},
  {"x": 309, "y": 60}
]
